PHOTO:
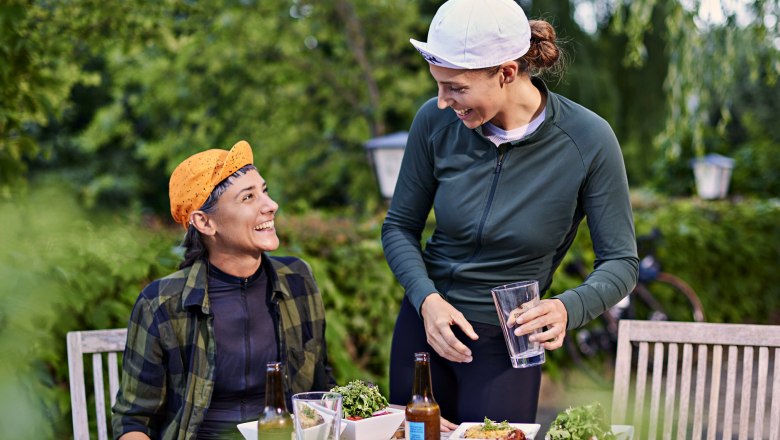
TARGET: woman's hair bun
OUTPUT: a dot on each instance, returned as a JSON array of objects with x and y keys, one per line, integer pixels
[{"x": 544, "y": 52}]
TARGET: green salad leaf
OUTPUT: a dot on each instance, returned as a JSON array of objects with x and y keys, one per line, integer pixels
[
  {"x": 489, "y": 425},
  {"x": 360, "y": 399},
  {"x": 581, "y": 423}
]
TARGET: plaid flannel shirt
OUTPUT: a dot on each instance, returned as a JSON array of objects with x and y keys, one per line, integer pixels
[{"x": 168, "y": 364}]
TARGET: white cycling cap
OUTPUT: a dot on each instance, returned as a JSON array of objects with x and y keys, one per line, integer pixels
[{"x": 473, "y": 34}]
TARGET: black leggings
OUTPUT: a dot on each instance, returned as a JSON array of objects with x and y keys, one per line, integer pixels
[{"x": 488, "y": 386}]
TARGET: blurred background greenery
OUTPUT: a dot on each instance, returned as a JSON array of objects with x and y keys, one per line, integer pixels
[{"x": 99, "y": 100}]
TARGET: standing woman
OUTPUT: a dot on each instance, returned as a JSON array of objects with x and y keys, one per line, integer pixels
[
  {"x": 510, "y": 170},
  {"x": 199, "y": 339}
]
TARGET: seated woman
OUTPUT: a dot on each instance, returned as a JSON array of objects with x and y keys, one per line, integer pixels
[{"x": 199, "y": 339}]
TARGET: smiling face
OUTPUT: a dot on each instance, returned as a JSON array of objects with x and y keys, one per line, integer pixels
[
  {"x": 476, "y": 97},
  {"x": 243, "y": 223}
]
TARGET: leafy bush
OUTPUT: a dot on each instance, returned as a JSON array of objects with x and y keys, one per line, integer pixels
[
  {"x": 63, "y": 269},
  {"x": 360, "y": 293},
  {"x": 725, "y": 250},
  {"x": 755, "y": 171}
]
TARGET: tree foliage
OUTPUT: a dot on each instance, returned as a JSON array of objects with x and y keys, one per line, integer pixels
[
  {"x": 114, "y": 93},
  {"x": 708, "y": 45},
  {"x": 306, "y": 83},
  {"x": 36, "y": 73}
]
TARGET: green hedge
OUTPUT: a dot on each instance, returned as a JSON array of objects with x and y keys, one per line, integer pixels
[
  {"x": 360, "y": 293},
  {"x": 728, "y": 251},
  {"x": 66, "y": 269}
]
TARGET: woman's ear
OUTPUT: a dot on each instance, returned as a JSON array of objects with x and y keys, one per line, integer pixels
[
  {"x": 203, "y": 223},
  {"x": 508, "y": 72}
]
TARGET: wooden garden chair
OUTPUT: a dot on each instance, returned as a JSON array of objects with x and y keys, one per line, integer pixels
[
  {"x": 95, "y": 342},
  {"x": 705, "y": 374}
]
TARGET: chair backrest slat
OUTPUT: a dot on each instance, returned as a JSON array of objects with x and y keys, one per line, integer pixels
[
  {"x": 774, "y": 425},
  {"x": 763, "y": 365},
  {"x": 747, "y": 388},
  {"x": 622, "y": 377},
  {"x": 100, "y": 395},
  {"x": 95, "y": 342},
  {"x": 641, "y": 380},
  {"x": 78, "y": 396},
  {"x": 685, "y": 391},
  {"x": 701, "y": 380},
  {"x": 655, "y": 389},
  {"x": 113, "y": 376},
  {"x": 731, "y": 383},
  {"x": 712, "y": 380},
  {"x": 717, "y": 362},
  {"x": 671, "y": 387}
]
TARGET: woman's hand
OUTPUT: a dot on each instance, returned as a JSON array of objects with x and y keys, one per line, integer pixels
[
  {"x": 438, "y": 316},
  {"x": 134, "y": 436},
  {"x": 550, "y": 313},
  {"x": 447, "y": 426}
]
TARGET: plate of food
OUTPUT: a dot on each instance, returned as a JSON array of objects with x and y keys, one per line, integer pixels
[{"x": 489, "y": 429}]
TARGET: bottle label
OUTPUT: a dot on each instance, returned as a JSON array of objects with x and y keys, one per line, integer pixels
[{"x": 415, "y": 430}]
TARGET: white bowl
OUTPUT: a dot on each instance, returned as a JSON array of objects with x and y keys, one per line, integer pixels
[
  {"x": 249, "y": 431},
  {"x": 529, "y": 429},
  {"x": 374, "y": 428},
  {"x": 623, "y": 432}
]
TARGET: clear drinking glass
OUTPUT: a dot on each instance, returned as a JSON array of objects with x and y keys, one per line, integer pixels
[
  {"x": 317, "y": 415},
  {"x": 511, "y": 300}
]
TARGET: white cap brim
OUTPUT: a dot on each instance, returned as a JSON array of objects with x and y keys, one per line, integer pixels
[{"x": 432, "y": 57}]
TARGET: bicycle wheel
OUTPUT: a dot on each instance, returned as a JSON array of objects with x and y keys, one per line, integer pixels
[
  {"x": 592, "y": 349},
  {"x": 666, "y": 298},
  {"x": 594, "y": 346}
]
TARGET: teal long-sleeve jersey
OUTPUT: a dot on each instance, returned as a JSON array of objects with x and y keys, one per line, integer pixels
[{"x": 510, "y": 213}]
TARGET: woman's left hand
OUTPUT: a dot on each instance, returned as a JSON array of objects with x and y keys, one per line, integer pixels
[
  {"x": 446, "y": 425},
  {"x": 550, "y": 314}
]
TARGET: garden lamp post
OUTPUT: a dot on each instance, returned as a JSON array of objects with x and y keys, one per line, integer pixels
[{"x": 385, "y": 154}]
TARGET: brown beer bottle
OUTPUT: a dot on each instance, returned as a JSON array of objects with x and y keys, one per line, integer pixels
[
  {"x": 275, "y": 423},
  {"x": 422, "y": 411}
]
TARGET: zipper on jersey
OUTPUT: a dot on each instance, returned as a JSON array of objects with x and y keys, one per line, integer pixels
[{"x": 502, "y": 154}]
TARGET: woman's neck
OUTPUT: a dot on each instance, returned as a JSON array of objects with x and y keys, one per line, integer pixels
[
  {"x": 239, "y": 266},
  {"x": 524, "y": 103}
]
